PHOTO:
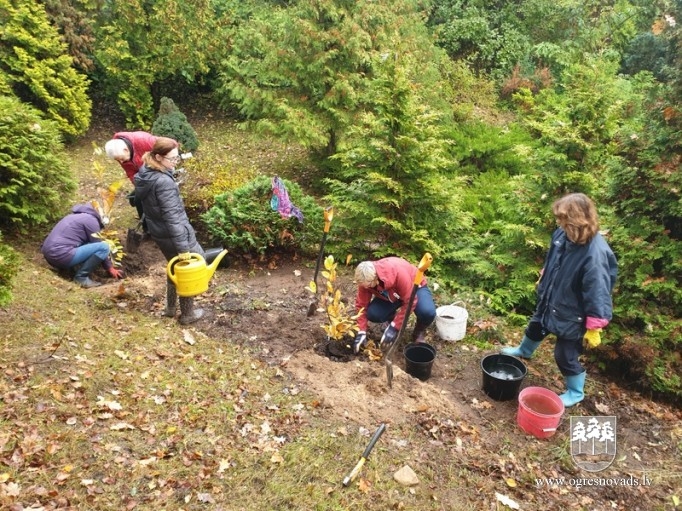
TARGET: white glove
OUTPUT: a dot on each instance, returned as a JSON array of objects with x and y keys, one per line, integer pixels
[{"x": 360, "y": 341}]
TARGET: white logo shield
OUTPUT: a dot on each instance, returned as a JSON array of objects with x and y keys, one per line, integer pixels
[{"x": 593, "y": 442}]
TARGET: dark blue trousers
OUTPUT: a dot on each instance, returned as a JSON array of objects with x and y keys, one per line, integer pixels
[
  {"x": 380, "y": 311},
  {"x": 566, "y": 351}
]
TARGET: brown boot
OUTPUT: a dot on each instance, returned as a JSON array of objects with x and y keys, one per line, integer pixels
[{"x": 419, "y": 333}]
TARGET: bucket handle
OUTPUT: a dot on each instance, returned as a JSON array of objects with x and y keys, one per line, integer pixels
[
  {"x": 547, "y": 430},
  {"x": 458, "y": 301}
]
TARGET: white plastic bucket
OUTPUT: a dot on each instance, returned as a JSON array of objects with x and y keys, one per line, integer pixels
[{"x": 451, "y": 322}]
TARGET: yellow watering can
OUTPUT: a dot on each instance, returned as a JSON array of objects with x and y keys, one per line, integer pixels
[{"x": 191, "y": 276}]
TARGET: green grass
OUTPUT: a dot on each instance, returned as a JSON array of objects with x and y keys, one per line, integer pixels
[{"x": 124, "y": 413}]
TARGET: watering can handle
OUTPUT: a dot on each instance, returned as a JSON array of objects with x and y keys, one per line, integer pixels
[
  {"x": 192, "y": 256},
  {"x": 170, "y": 269}
]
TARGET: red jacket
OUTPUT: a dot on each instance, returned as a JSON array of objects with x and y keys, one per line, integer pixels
[
  {"x": 138, "y": 142},
  {"x": 396, "y": 277}
]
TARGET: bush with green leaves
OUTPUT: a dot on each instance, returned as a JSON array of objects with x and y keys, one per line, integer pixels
[
  {"x": 646, "y": 235},
  {"x": 245, "y": 223},
  {"x": 35, "y": 179},
  {"x": 9, "y": 267},
  {"x": 171, "y": 122}
]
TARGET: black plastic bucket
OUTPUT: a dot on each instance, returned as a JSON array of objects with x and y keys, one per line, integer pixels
[
  {"x": 419, "y": 358},
  {"x": 502, "y": 376}
]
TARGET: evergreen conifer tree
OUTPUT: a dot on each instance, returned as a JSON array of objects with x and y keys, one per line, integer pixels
[
  {"x": 171, "y": 122},
  {"x": 38, "y": 69}
]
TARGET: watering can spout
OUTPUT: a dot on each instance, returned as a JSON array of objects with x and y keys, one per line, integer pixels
[{"x": 214, "y": 265}]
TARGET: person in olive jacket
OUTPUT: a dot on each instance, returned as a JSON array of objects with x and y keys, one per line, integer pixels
[
  {"x": 166, "y": 217},
  {"x": 574, "y": 292}
]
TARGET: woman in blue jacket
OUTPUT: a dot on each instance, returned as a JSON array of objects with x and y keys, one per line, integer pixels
[{"x": 574, "y": 292}]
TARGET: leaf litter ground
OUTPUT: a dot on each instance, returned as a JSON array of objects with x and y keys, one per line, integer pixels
[
  {"x": 269, "y": 381},
  {"x": 263, "y": 310}
]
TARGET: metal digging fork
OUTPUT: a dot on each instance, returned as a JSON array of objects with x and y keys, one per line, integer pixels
[{"x": 424, "y": 264}]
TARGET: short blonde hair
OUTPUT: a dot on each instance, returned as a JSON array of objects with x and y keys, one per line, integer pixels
[{"x": 365, "y": 272}]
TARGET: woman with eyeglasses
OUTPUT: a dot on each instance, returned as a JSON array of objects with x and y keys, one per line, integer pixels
[{"x": 166, "y": 218}]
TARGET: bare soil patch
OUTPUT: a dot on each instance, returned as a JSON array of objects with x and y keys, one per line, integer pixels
[{"x": 263, "y": 309}]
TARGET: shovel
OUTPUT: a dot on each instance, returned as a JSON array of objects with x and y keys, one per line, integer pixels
[
  {"x": 358, "y": 466},
  {"x": 328, "y": 215},
  {"x": 134, "y": 237},
  {"x": 424, "y": 264}
]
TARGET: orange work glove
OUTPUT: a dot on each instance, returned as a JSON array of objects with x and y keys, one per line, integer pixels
[{"x": 117, "y": 274}]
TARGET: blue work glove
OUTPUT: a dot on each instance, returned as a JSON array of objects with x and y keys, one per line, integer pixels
[
  {"x": 389, "y": 336},
  {"x": 360, "y": 341}
]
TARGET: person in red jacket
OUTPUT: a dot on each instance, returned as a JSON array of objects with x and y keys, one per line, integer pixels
[
  {"x": 384, "y": 286},
  {"x": 127, "y": 148}
]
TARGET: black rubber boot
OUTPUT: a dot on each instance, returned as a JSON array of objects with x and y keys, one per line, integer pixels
[
  {"x": 82, "y": 276},
  {"x": 212, "y": 253},
  {"x": 171, "y": 299},
  {"x": 419, "y": 332},
  {"x": 188, "y": 314}
]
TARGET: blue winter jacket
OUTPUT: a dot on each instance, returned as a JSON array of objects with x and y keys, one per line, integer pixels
[{"x": 576, "y": 283}]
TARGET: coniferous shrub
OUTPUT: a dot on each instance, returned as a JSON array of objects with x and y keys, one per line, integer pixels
[
  {"x": 35, "y": 180},
  {"x": 392, "y": 187},
  {"x": 245, "y": 223},
  {"x": 171, "y": 122},
  {"x": 9, "y": 266},
  {"x": 646, "y": 235},
  {"x": 35, "y": 63}
]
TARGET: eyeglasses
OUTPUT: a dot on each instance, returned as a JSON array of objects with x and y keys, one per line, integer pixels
[{"x": 173, "y": 159}]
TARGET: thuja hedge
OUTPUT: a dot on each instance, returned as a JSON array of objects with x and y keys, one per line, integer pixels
[
  {"x": 9, "y": 266},
  {"x": 35, "y": 180}
]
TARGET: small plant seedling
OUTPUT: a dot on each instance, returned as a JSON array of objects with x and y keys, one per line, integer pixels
[{"x": 341, "y": 317}]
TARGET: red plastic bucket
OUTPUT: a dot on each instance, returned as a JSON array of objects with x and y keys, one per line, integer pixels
[{"x": 540, "y": 411}]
